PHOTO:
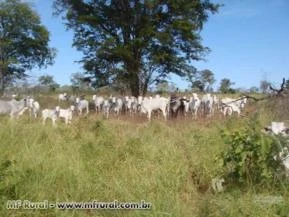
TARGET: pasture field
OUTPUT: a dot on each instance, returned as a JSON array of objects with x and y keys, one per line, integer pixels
[{"x": 169, "y": 164}]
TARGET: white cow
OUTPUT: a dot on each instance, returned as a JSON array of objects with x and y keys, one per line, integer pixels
[
  {"x": 194, "y": 105},
  {"x": 98, "y": 102},
  {"x": 106, "y": 108},
  {"x": 229, "y": 105},
  {"x": 50, "y": 114},
  {"x": 215, "y": 104},
  {"x": 66, "y": 114},
  {"x": 33, "y": 107},
  {"x": 81, "y": 105},
  {"x": 151, "y": 104},
  {"x": 207, "y": 102},
  {"x": 62, "y": 97},
  {"x": 13, "y": 107},
  {"x": 130, "y": 104},
  {"x": 277, "y": 128},
  {"x": 186, "y": 103},
  {"x": 116, "y": 105}
]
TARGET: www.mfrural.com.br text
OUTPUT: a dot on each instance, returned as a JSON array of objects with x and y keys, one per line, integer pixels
[{"x": 27, "y": 204}]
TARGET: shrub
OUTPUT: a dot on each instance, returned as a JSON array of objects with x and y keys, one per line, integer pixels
[{"x": 249, "y": 158}]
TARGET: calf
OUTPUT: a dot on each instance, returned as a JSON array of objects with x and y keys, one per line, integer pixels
[
  {"x": 50, "y": 114},
  {"x": 66, "y": 114}
]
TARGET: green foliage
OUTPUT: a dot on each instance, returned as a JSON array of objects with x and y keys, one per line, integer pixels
[
  {"x": 249, "y": 158},
  {"x": 125, "y": 159},
  {"x": 137, "y": 41},
  {"x": 7, "y": 190},
  {"x": 225, "y": 86},
  {"x": 47, "y": 80},
  {"x": 201, "y": 80},
  {"x": 287, "y": 84},
  {"x": 264, "y": 86},
  {"x": 79, "y": 81},
  {"x": 23, "y": 41}
]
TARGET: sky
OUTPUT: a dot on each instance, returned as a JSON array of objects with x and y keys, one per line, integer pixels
[{"x": 248, "y": 39}]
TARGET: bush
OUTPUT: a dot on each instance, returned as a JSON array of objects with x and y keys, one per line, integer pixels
[{"x": 249, "y": 158}]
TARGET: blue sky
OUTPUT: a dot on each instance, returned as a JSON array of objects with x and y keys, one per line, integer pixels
[{"x": 249, "y": 41}]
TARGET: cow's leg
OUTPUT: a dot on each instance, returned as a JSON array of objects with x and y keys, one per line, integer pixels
[
  {"x": 54, "y": 121},
  {"x": 149, "y": 115},
  {"x": 43, "y": 120},
  {"x": 164, "y": 113}
]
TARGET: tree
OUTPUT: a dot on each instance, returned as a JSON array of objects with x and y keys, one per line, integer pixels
[
  {"x": 201, "y": 80},
  {"x": 264, "y": 86},
  {"x": 145, "y": 40},
  {"x": 48, "y": 81},
  {"x": 287, "y": 84},
  {"x": 225, "y": 86},
  {"x": 208, "y": 79},
  {"x": 253, "y": 89},
  {"x": 78, "y": 80},
  {"x": 198, "y": 85},
  {"x": 162, "y": 87},
  {"x": 23, "y": 41}
]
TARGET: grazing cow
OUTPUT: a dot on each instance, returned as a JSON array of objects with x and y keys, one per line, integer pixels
[
  {"x": 98, "y": 102},
  {"x": 194, "y": 105},
  {"x": 215, "y": 104},
  {"x": 106, "y": 108},
  {"x": 82, "y": 104},
  {"x": 130, "y": 104},
  {"x": 186, "y": 104},
  {"x": 134, "y": 106},
  {"x": 176, "y": 105},
  {"x": 50, "y": 114},
  {"x": 207, "y": 103},
  {"x": 151, "y": 104},
  {"x": 116, "y": 105},
  {"x": 277, "y": 128},
  {"x": 66, "y": 114},
  {"x": 229, "y": 106},
  {"x": 13, "y": 107},
  {"x": 33, "y": 107},
  {"x": 139, "y": 102},
  {"x": 62, "y": 97}
]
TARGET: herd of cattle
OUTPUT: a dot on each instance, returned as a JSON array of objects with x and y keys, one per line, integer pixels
[{"x": 194, "y": 106}]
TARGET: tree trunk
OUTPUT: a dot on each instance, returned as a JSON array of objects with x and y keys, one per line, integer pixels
[
  {"x": 134, "y": 80},
  {"x": 145, "y": 87},
  {"x": 134, "y": 85}
]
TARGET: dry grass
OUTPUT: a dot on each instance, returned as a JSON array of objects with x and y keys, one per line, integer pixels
[{"x": 169, "y": 164}]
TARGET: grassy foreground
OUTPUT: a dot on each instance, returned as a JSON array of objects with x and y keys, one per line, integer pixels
[{"x": 168, "y": 164}]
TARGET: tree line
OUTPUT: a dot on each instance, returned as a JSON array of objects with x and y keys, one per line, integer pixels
[
  {"x": 131, "y": 43},
  {"x": 126, "y": 44}
]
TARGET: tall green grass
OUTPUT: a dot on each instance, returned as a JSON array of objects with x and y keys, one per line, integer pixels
[{"x": 169, "y": 164}]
